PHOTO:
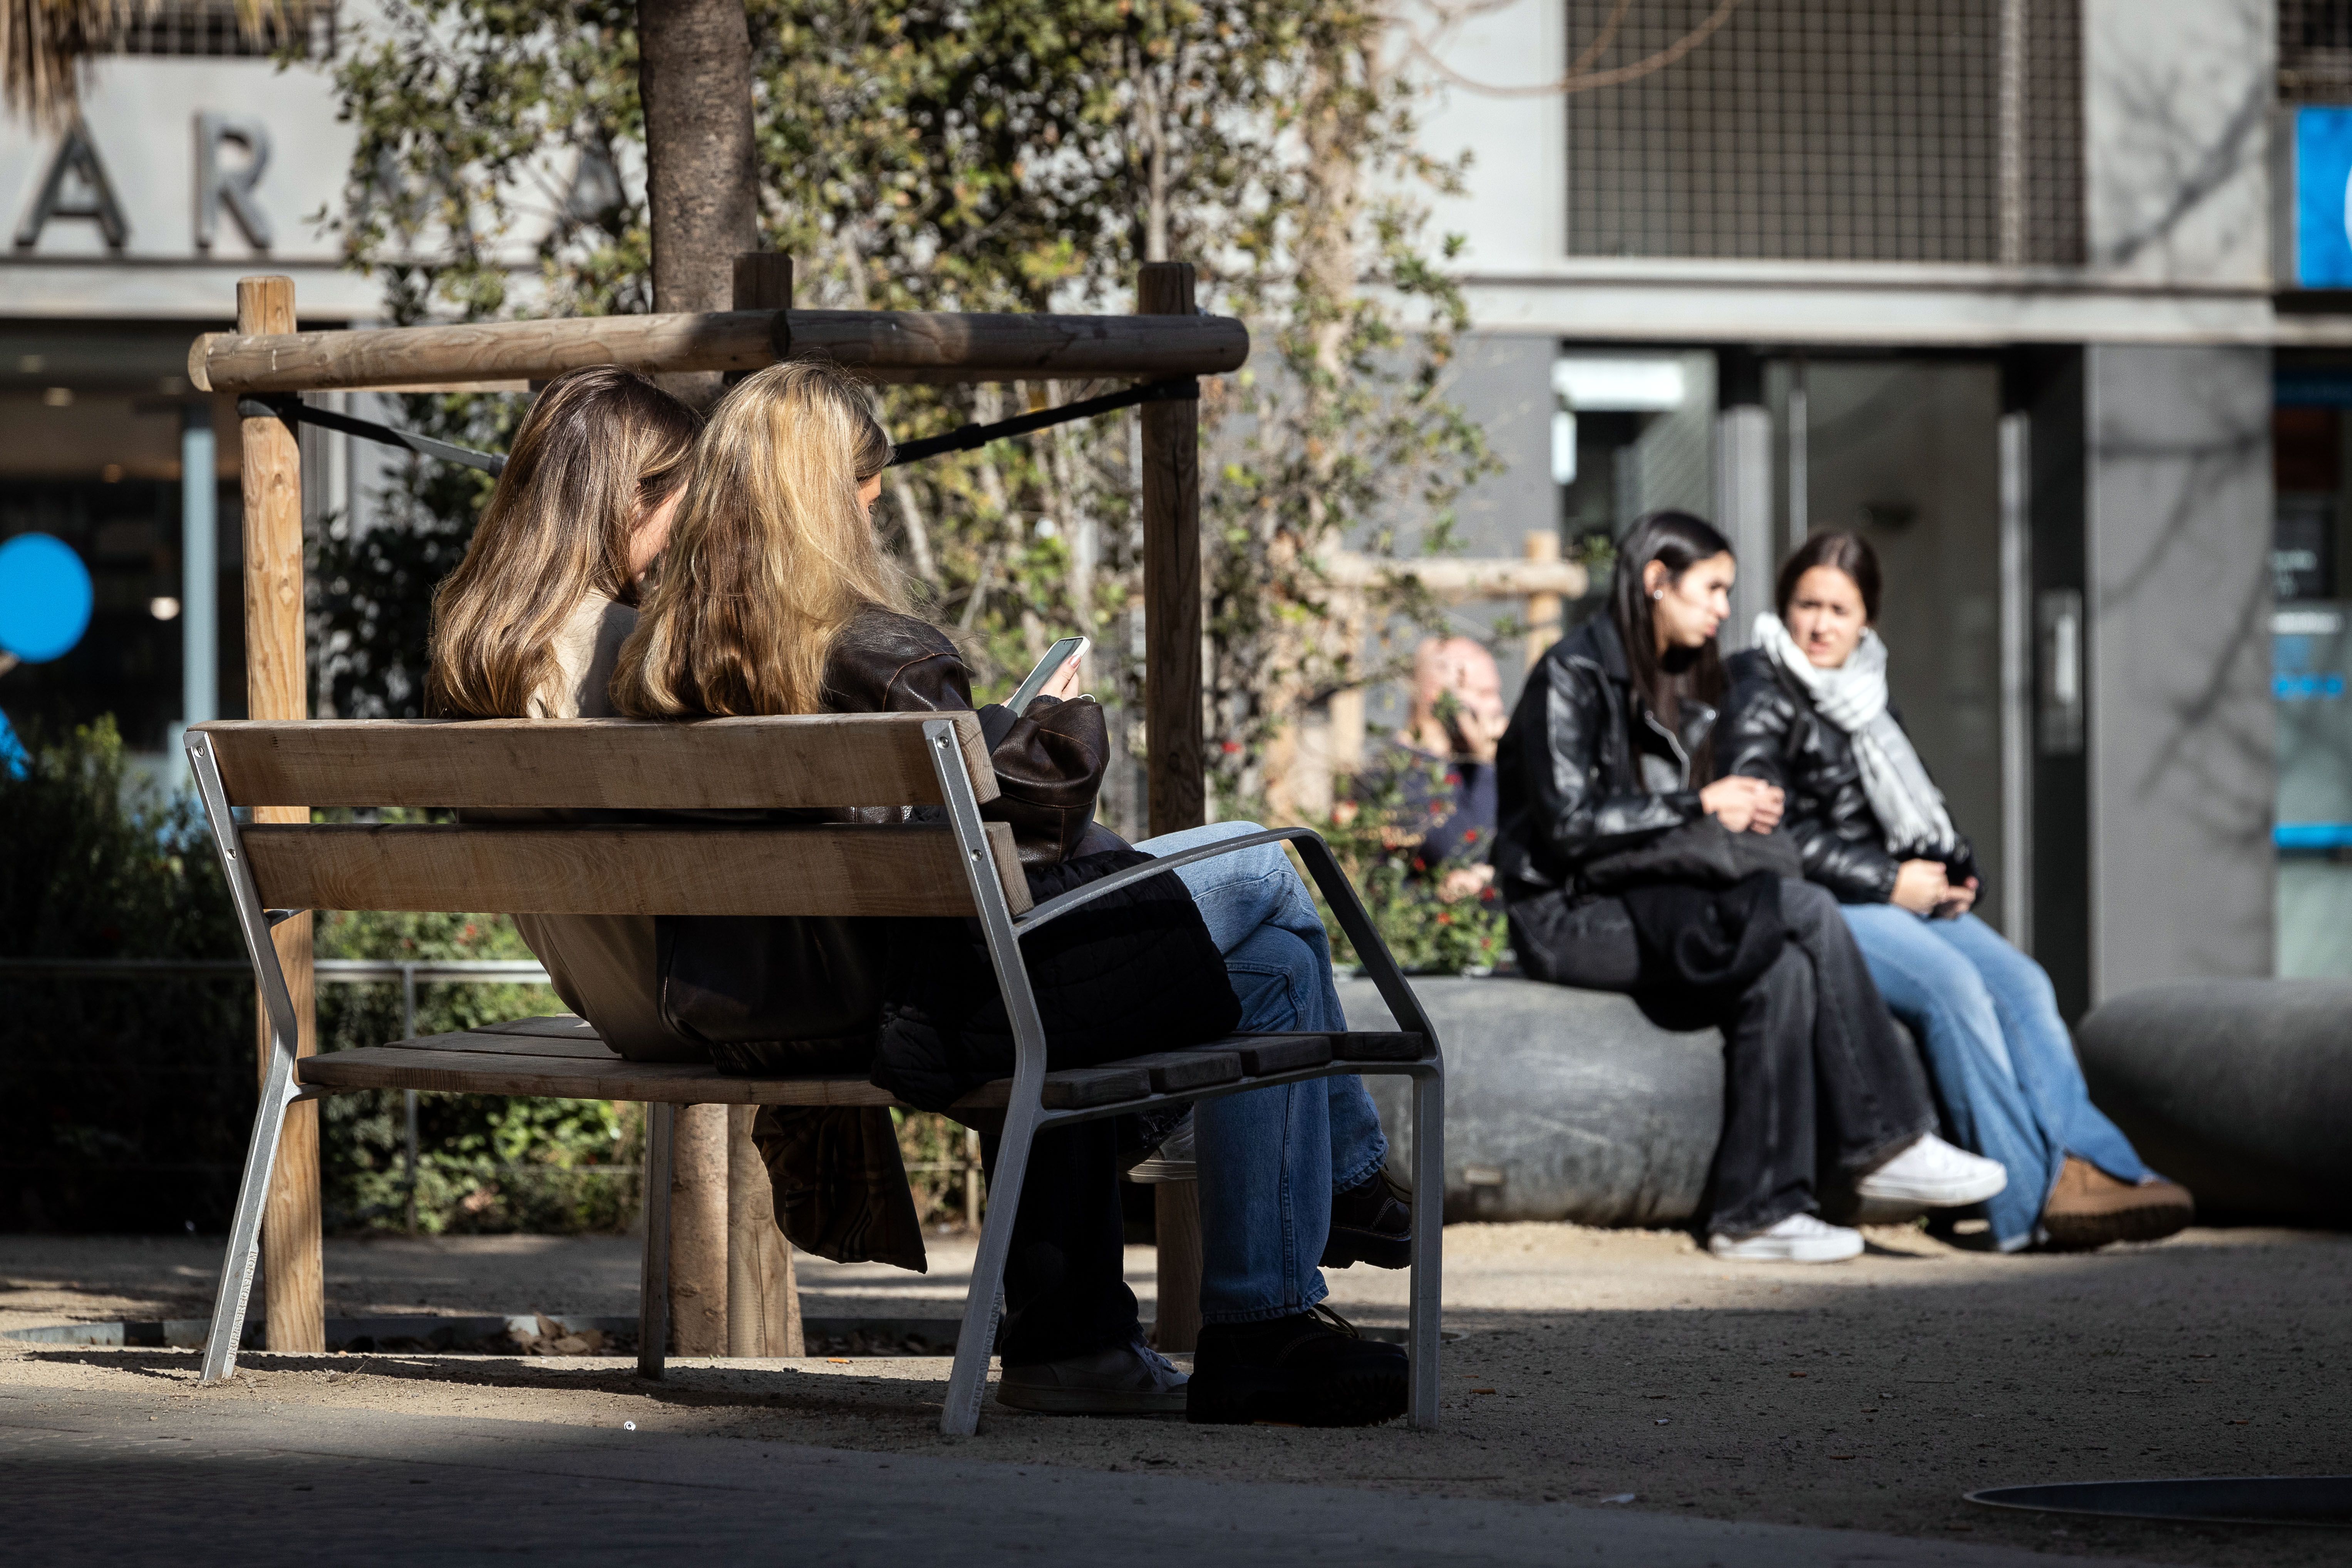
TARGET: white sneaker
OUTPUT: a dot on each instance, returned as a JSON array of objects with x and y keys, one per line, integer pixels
[
  {"x": 1173, "y": 1161},
  {"x": 1932, "y": 1172},
  {"x": 1800, "y": 1239}
]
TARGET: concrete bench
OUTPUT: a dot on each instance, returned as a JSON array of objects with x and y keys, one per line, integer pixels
[
  {"x": 1560, "y": 1104},
  {"x": 2239, "y": 1089},
  {"x": 1570, "y": 1105},
  {"x": 963, "y": 868}
]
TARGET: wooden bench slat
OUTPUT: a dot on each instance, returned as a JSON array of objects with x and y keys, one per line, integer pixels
[
  {"x": 913, "y": 869},
  {"x": 554, "y": 1026},
  {"x": 572, "y": 1078},
  {"x": 483, "y": 1042},
  {"x": 588, "y": 764},
  {"x": 562, "y": 1057}
]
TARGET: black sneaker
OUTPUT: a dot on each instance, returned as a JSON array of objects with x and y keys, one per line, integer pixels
[
  {"x": 1313, "y": 1370},
  {"x": 1372, "y": 1222}
]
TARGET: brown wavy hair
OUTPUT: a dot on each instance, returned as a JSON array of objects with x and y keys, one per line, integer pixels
[
  {"x": 1848, "y": 553},
  {"x": 600, "y": 449},
  {"x": 771, "y": 555}
]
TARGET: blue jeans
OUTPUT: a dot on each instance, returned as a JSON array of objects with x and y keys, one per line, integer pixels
[
  {"x": 1271, "y": 1159},
  {"x": 2003, "y": 1064}
]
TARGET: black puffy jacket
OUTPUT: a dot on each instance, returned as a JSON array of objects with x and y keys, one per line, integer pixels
[
  {"x": 1773, "y": 732},
  {"x": 1585, "y": 768}
]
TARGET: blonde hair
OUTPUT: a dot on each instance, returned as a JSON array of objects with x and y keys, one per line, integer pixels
[
  {"x": 600, "y": 449},
  {"x": 771, "y": 555}
]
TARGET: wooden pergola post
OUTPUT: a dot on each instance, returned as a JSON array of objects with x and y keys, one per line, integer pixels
[
  {"x": 277, "y": 686},
  {"x": 764, "y": 1299},
  {"x": 1174, "y": 770}
]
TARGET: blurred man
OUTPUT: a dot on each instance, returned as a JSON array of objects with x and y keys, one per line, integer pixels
[{"x": 1441, "y": 764}]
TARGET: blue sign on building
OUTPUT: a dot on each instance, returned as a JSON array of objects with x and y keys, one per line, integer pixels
[{"x": 2323, "y": 198}]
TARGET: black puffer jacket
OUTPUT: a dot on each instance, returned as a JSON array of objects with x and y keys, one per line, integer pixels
[
  {"x": 1773, "y": 732},
  {"x": 1585, "y": 769}
]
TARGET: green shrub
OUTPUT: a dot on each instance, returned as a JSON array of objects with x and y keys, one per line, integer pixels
[
  {"x": 125, "y": 1102},
  {"x": 485, "y": 1163},
  {"x": 1370, "y": 838}
]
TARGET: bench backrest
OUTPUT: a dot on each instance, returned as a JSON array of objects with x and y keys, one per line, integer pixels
[{"x": 608, "y": 765}]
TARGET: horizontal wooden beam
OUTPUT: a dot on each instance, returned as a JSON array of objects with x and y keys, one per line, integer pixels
[
  {"x": 1457, "y": 577},
  {"x": 857, "y": 872},
  {"x": 885, "y": 345},
  {"x": 593, "y": 764}
]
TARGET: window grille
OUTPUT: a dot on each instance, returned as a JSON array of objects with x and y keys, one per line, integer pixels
[
  {"x": 2315, "y": 51},
  {"x": 199, "y": 30},
  {"x": 1829, "y": 130}
]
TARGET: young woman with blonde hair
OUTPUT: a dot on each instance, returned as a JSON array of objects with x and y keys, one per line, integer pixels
[{"x": 777, "y": 598}]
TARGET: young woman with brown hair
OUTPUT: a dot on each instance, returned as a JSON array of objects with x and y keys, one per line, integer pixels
[
  {"x": 776, "y": 597},
  {"x": 531, "y": 624},
  {"x": 1608, "y": 855},
  {"x": 1811, "y": 716}
]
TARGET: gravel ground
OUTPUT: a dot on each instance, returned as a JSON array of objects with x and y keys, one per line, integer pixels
[{"x": 1868, "y": 1396}]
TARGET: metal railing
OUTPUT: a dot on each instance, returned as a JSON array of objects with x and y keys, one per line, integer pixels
[{"x": 409, "y": 974}]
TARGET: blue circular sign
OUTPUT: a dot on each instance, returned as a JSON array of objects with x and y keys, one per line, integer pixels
[{"x": 44, "y": 597}]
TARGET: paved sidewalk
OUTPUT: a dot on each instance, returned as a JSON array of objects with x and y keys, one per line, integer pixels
[
  {"x": 96, "y": 1478},
  {"x": 1867, "y": 1396}
]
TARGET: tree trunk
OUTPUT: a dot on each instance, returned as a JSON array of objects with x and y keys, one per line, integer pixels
[
  {"x": 694, "y": 74},
  {"x": 1332, "y": 120}
]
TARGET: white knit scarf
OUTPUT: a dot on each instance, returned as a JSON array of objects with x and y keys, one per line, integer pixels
[{"x": 1908, "y": 805}]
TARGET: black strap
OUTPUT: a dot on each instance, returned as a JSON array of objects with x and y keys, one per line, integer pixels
[
  {"x": 963, "y": 438},
  {"x": 296, "y": 412}
]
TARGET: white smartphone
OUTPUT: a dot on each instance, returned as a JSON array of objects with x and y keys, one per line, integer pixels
[{"x": 1060, "y": 654}]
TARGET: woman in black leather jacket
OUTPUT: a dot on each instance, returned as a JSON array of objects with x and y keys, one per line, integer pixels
[
  {"x": 1619, "y": 859},
  {"x": 1810, "y": 715}
]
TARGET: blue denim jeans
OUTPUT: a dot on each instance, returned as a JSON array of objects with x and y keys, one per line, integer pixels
[
  {"x": 2003, "y": 1065},
  {"x": 1271, "y": 1159}
]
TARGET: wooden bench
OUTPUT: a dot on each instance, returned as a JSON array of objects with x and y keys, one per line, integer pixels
[{"x": 962, "y": 866}]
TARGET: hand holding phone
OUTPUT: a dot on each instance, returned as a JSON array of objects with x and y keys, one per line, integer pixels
[{"x": 1056, "y": 674}]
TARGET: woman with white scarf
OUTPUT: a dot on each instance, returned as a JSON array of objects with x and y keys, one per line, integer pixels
[{"x": 1809, "y": 712}]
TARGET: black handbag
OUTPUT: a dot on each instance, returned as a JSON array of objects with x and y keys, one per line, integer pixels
[{"x": 1702, "y": 854}]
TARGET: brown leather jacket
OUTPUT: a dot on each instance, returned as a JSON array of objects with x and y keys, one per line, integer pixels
[{"x": 1049, "y": 762}]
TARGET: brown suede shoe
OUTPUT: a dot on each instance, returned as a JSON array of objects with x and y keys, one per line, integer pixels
[{"x": 2090, "y": 1208}]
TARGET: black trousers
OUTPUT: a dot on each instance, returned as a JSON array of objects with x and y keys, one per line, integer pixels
[
  {"x": 1813, "y": 1070},
  {"x": 1065, "y": 1281}
]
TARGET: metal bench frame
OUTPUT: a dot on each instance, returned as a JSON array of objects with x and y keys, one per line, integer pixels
[{"x": 1026, "y": 1110}]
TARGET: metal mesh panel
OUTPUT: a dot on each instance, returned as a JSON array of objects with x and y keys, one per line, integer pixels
[
  {"x": 2314, "y": 53},
  {"x": 208, "y": 28},
  {"x": 1829, "y": 130}
]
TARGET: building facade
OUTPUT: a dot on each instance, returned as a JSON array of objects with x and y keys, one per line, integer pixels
[
  {"x": 2051, "y": 297},
  {"x": 2045, "y": 297}
]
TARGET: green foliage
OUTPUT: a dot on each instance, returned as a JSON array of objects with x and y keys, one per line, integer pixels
[
  {"x": 985, "y": 154},
  {"x": 1377, "y": 842},
  {"x": 486, "y": 1162},
  {"x": 124, "y": 1103}
]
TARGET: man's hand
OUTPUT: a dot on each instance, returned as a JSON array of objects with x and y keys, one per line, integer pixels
[
  {"x": 1743, "y": 804},
  {"x": 1464, "y": 883}
]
